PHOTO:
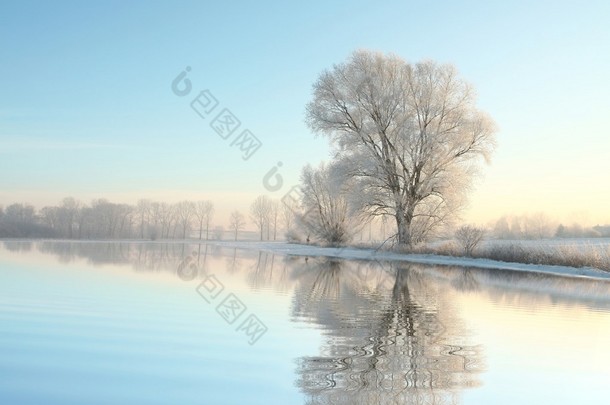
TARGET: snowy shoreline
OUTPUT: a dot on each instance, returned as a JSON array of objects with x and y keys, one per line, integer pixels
[{"x": 352, "y": 253}]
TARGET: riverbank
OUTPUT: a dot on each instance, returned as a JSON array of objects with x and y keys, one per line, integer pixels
[{"x": 352, "y": 253}]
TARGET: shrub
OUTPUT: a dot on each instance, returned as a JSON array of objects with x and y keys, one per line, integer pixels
[{"x": 469, "y": 237}]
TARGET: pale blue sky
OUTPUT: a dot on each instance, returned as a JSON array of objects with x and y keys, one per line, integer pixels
[{"x": 86, "y": 107}]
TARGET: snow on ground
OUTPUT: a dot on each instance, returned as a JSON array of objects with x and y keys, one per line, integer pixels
[{"x": 370, "y": 254}]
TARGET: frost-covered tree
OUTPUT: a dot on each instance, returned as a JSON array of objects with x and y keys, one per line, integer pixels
[
  {"x": 20, "y": 213},
  {"x": 50, "y": 217},
  {"x": 540, "y": 226},
  {"x": 236, "y": 222},
  {"x": 469, "y": 237},
  {"x": 274, "y": 217},
  {"x": 156, "y": 220},
  {"x": 166, "y": 218},
  {"x": 67, "y": 215},
  {"x": 409, "y": 135},
  {"x": 288, "y": 209},
  {"x": 185, "y": 211},
  {"x": 143, "y": 211},
  {"x": 204, "y": 212},
  {"x": 327, "y": 214},
  {"x": 260, "y": 212},
  {"x": 501, "y": 228}
]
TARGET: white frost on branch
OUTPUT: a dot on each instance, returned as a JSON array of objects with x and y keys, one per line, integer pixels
[{"x": 409, "y": 136}]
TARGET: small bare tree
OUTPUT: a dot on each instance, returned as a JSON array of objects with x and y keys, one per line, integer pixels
[
  {"x": 67, "y": 215},
  {"x": 166, "y": 215},
  {"x": 184, "y": 211},
  {"x": 260, "y": 212},
  {"x": 274, "y": 217},
  {"x": 469, "y": 237},
  {"x": 143, "y": 210},
  {"x": 155, "y": 220},
  {"x": 204, "y": 212},
  {"x": 288, "y": 210},
  {"x": 236, "y": 222}
]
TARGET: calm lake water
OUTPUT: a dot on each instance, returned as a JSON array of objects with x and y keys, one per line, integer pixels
[{"x": 144, "y": 323}]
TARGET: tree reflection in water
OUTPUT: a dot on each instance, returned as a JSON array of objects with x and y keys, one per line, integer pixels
[
  {"x": 391, "y": 332},
  {"x": 392, "y": 336}
]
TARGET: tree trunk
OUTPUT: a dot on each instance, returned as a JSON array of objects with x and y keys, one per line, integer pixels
[{"x": 403, "y": 226}]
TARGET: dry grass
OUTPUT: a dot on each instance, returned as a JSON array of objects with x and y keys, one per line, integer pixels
[
  {"x": 567, "y": 255},
  {"x": 448, "y": 248}
]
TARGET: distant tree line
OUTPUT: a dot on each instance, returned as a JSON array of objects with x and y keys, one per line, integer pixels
[
  {"x": 102, "y": 219},
  {"x": 273, "y": 219},
  {"x": 540, "y": 226},
  {"x": 272, "y": 216},
  {"x": 150, "y": 220}
]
